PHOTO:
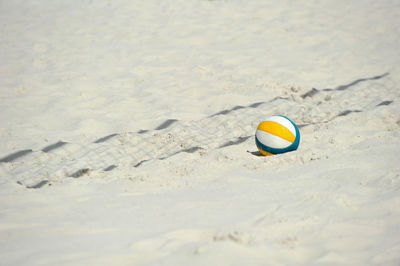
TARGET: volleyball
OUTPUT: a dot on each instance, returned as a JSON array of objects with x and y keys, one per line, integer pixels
[{"x": 278, "y": 134}]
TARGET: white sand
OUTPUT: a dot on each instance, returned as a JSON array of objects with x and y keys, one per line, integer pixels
[{"x": 190, "y": 191}]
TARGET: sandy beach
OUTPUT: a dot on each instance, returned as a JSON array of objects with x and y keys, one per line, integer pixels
[{"x": 128, "y": 127}]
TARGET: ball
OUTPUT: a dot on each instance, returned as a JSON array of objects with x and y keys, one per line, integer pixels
[{"x": 278, "y": 134}]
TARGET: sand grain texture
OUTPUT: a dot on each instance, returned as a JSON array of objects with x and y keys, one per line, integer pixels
[{"x": 127, "y": 133}]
